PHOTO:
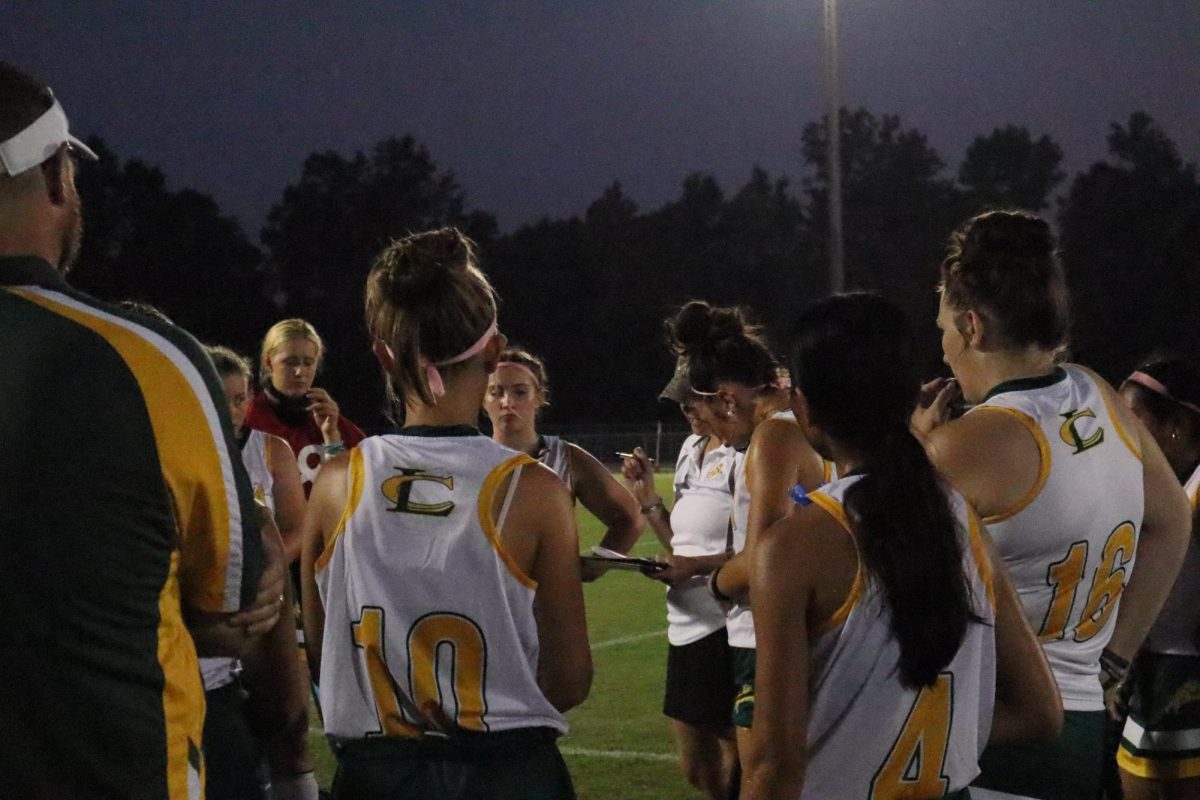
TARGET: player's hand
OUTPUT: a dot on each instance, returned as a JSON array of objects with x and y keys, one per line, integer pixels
[
  {"x": 638, "y": 471},
  {"x": 933, "y": 405},
  {"x": 679, "y": 569},
  {"x": 261, "y": 616},
  {"x": 325, "y": 413}
]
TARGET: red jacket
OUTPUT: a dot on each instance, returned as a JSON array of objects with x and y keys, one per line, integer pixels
[{"x": 298, "y": 428}]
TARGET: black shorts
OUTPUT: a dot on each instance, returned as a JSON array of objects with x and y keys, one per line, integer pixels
[
  {"x": 700, "y": 681},
  {"x": 521, "y": 764},
  {"x": 233, "y": 757}
]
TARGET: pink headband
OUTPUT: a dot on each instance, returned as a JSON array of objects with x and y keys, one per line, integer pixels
[
  {"x": 1154, "y": 385},
  {"x": 523, "y": 368},
  {"x": 434, "y": 378}
]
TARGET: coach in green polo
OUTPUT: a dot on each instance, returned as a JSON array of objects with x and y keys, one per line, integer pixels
[{"x": 127, "y": 525}]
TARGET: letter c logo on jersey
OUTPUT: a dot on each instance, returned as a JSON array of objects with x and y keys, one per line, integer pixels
[
  {"x": 1072, "y": 437},
  {"x": 398, "y": 489}
]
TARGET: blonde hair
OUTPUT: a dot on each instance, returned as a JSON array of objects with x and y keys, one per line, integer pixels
[{"x": 280, "y": 334}]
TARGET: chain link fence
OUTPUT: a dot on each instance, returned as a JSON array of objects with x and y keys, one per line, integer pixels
[{"x": 605, "y": 440}]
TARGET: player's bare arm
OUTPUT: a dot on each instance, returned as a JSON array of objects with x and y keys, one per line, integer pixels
[
  {"x": 803, "y": 569},
  {"x": 778, "y": 458},
  {"x": 539, "y": 533},
  {"x": 638, "y": 471},
  {"x": 1162, "y": 542},
  {"x": 607, "y": 500},
  {"x": 325, "y": 506},
  {"x": 288, "y": 494}
]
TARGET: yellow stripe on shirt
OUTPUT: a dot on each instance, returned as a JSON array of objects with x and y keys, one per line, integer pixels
[
  {"x": 487, "y": 501},
  {"x": 354, "y": 492},
  {"x": 196, "y": 466}
]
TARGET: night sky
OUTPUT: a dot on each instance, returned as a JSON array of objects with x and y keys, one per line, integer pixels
[{"x": 536, "y": 105}]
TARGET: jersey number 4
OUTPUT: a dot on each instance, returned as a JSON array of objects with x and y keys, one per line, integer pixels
[
  {"x": 450, "y": 641},
  {"x": 1108, "y": 582},
  {"x": 915, "y": 764}
]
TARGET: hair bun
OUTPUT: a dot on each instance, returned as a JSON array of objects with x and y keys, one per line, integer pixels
[
  {"x": 699, "y": 325},
  {"x": 1012, "y": 234},
  {"x": 424, "y": 261}
]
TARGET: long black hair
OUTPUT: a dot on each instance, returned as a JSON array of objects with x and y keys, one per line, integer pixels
[{"x": 853, "y": 358}]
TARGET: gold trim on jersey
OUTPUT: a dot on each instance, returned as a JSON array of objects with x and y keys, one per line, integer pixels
[
  {"x": 354, "y": 476},
  {"x": 183, "y": 692},
  {"x": 983, "y": 564},
  {"x": 1103, "y": 389},
  {"x": 838, "y": 512},
  {"x": 1043, "y": 470},
  {"x": 487, "y": 501},
  {"x": 1162, "y": 769}
]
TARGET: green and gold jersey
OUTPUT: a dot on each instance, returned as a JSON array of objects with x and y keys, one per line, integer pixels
[{"x": 123, "y": 502}]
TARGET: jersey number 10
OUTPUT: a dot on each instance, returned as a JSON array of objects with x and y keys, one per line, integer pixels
[{"x": 432, "y": 639}]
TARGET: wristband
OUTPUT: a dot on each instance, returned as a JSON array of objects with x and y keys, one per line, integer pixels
[
  {"x": 328, "y": 451},
  {"x": 715, "y": 590},
  {"x": 657, "y": 504}
]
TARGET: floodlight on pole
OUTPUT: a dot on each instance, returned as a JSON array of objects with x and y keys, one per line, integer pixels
[{"x": 837, "y": 269}]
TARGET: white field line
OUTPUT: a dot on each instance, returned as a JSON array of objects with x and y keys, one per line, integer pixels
[
  {"x": 637, "y": 637},
  {"x": 621, "y": 755}
]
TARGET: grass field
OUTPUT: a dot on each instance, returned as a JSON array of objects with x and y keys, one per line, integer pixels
[{"x": 619, "y": 747}]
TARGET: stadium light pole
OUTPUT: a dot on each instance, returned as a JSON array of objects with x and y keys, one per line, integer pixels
[{"x": 837, "y": 269}]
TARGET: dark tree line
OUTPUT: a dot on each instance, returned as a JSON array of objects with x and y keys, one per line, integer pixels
[{"x": 589, "y": 293}]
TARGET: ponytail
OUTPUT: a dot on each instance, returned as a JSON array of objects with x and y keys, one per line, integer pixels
[
  {"x": 910, "y": 543},
  {"x": 853, "y": 359}
]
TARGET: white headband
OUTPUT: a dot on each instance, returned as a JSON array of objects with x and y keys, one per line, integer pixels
[{"x": 39, "y": 142}]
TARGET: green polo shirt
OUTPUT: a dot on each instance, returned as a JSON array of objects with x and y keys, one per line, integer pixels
[{"x": 123, "y": 503}]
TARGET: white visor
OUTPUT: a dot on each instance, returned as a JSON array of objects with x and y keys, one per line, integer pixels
[{"x": 39, "y": 142}]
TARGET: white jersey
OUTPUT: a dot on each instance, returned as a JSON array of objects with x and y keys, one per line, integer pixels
[
  {"x": 555, "y": 453},
  {"x": 421, "y": 600},
  {"x": 740, "y": 621},
  {"x": 218, "y": 671},
  {"x": 1178, "y": 624},
  {"x": 1069, "y": 544},
  {"x": 700, "y": 526},
  {"x": 254, "y": 456},
  {"x": 870, "y": 736}
]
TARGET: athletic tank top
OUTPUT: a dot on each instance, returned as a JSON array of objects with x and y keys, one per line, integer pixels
[
  {"x": 868, "y": 735},
  {"x": 217, "y": 671},
  {"x": 1176, "y": 629},
  {"x": 421, "y": 600},
  {"x": 739, "y": 621},
  {"x": 1069, "y": 544},
  {"x": 700, "y": 526},
  {"x": 555, "y": 454}
]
